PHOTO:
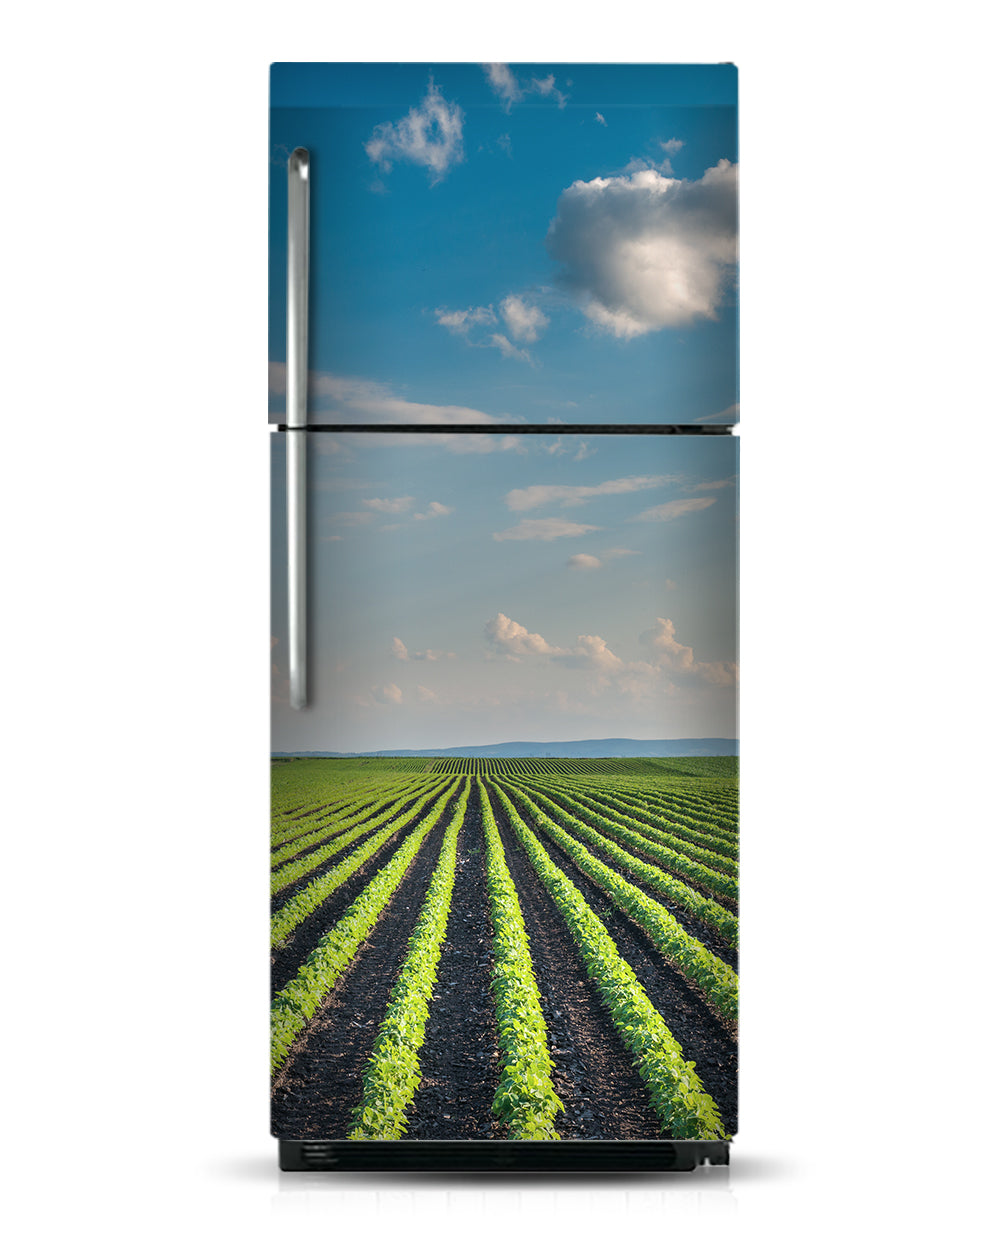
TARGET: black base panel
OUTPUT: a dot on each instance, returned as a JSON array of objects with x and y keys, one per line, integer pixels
[{"x": 517, "y": 1156}]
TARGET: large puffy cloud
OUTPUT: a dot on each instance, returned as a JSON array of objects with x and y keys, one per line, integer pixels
[
  {"x": 430, "y": 135},
  {"x": 514, "y": 639},
  {"x": 670, "y": 664},
  {"x": 678, "y": 660},
  {"x": 648, "y": 251}
]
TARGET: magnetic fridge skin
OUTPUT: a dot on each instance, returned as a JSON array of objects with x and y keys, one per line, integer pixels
[{"x": 504, "y": 867}]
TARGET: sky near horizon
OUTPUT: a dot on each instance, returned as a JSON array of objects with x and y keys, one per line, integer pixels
[{"x": 512, "y": 244}]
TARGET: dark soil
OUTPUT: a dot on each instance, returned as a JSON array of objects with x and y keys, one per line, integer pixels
[
  {"x": 703, "y": 1036},
  {"x": 459, "y": 1058},
  {"x": 604, "y": 1096},
  {"x": 318, "y": 1088},
  {"x": 286, "y": 961}
]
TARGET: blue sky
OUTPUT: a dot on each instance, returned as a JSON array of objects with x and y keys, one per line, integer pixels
[
  {"x": 526, "y": 242},
  {"x": 536, "y": 588},
  {"x": 514, "y": 244}
]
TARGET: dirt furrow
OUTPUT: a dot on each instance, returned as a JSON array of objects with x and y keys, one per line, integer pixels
[{"x": 459, "y": 1058}]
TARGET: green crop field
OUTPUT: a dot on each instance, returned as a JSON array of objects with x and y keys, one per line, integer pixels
[{"x": 526, "y": 948}]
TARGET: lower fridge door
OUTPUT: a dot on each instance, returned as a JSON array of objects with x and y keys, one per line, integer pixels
[{"x": 504, "y": 829}]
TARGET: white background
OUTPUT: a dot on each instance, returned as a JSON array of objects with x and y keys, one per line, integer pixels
[{"x": 136, "y": 722}]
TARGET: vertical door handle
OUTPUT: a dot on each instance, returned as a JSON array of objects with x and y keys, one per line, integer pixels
[{"x": 296, "y": 419}]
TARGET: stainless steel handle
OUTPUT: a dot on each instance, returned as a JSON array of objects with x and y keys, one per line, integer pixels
[{"x": 296, "y": 418}]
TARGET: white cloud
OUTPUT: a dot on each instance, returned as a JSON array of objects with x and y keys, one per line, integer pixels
[
  {"x": 430, "y": 135},
  {"x": 524, "y": 321},
  {"x": 523, "y": 498},
  {"x": 511, "y": 90},
  {"x": 344, "y": 401},
  {"x": 583, "y": 561},
  {"x": 600, "y": 119},
  {"x": 679, "y": 661},
  {"x": 616, "y": 552},
  {"x": 459, "y": 322},
  {"x": 547, "y": 88},
  {"x": 504, "y": 84},
  {"x": 507, "y": 349},
  {"x": 646, "y": 251},
  {"x": 390, "y": 694},
  {"x": 671, "y": 146},
  {"x": 427, "y": 695},
  {"x": 674, "y": 509},
  {"x": 713, "y": 486},
  {"x": 545, "y": 528},
  {"x": 434, "y": 509},
  {"x": 394, "y": 506},
  {"x": 513, "y": 639},
  {"x": 400, "y": 651},
  {"x": 591, "y": 652}
]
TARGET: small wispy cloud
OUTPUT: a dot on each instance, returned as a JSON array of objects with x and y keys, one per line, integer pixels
[
  {"x": 523, "y": 498},
  {"x": 600, "y": 119},
  {"x": 394, "y": 506},
  {"x": 461, "y": 322},
  {"x": 400, "y": 652},
  {"x": 713, "y": 486},
  {"x": 673, "y": 509},
  {"x": 429, "y": 135},
  {"x": 522, "y": 320},
  {"x": 510, "y": 89},
  {"x": 389, "y": 695},
  {"x": 508, "y": 349},
  {"x": 434, "y": 509},
  {"x": 544, "y": 529},
  {"x": 592, "y": 561}
]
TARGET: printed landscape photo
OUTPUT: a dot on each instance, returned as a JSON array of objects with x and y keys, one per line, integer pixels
[{"x": 504, "y": 868}]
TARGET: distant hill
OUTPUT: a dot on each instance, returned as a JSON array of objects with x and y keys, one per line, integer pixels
[{"x": 612, "y": 747}]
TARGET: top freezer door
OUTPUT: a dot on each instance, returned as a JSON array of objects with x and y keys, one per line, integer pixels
[{"x": 511, "y": 244}]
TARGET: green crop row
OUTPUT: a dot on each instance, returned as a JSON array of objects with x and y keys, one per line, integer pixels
[
  {"x": 393, "y": 1072},
  {"x": 525, "y": 1099},
  {"x": 665, "y": 816},
  {"x": 295, "y": 870},
  {"x": 611, "y": 824},
  {"x": 299, "y": 907},
  {"x": 353, "y": 802},
  {"x": 716, "y": 979},
  {"x": 357, "y": 811},
  {"x": 702, "y": 907},
  {"x": 673, "y": 836},
  {"x": 294, "y": 1006},
  {"x": 684, "y": 1107}
]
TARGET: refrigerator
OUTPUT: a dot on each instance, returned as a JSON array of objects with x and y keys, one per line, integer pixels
[{"x": 503, "y": 407}]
